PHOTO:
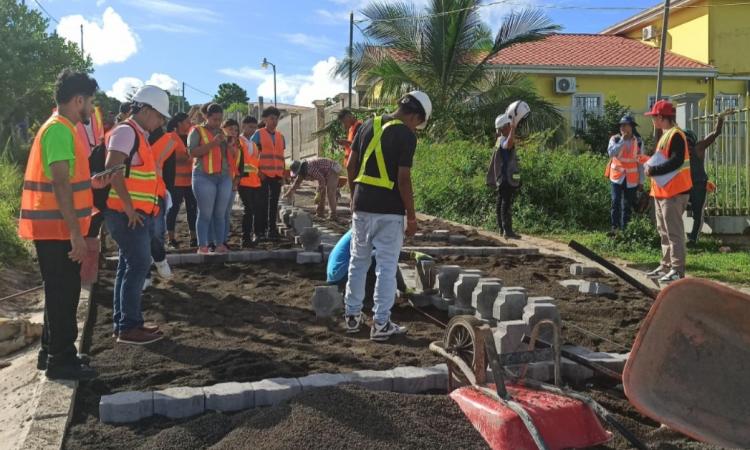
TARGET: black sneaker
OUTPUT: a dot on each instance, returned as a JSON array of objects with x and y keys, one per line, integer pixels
[
  {"x": 41, "y": 360},
  {"x": 72, "y": 371}
]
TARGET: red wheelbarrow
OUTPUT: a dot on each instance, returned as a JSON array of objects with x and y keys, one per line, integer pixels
[{"x": 520, "y": 413}]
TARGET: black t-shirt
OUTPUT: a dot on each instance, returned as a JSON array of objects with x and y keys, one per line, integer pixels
[{"x": 398, "y": 143}]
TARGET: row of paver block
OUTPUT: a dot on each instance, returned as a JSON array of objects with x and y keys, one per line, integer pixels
[
  {"x": 181, "y": 402},
  {"x": 583, "y": 286},
  {"x": 444, "y": 236}
]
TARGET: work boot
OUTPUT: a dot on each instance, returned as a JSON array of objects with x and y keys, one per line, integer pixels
[
  {"x": 41, "y": 359},
  {"x": 70, "y": 371}
]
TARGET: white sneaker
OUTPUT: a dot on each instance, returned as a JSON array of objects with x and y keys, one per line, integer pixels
[
  {"x": 353, "y": 323},
  {"x": 163, "y": 269},
  {"x": 656, "y": 273},
  {"x": 382, "y": 332},
  {"x": 671, "y": 276},
  {"x": 147, "y": 284}
]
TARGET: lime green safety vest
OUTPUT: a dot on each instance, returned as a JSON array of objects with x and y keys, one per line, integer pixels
[{"x": 382, "y": 179}]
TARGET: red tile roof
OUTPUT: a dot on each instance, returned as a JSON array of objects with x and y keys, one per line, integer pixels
[{"x": 591, "y": 50}]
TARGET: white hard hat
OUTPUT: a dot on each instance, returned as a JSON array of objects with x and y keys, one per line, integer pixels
[
  {"x": 154, "y": 97},
  {"x": 517, "y": 111},
  {"x": 501, "y": 121},
  {"x": 423, "y": 100}
]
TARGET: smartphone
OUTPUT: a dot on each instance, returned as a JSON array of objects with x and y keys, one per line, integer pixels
[{"x": 109, "y": 171}]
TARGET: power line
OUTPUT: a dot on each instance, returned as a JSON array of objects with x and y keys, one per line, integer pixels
[
  {"x": 46, "y": 12},
  {"x": 199, "y": 90}
]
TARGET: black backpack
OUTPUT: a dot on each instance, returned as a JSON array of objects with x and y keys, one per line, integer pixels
[{"x": 97, "y": 163}]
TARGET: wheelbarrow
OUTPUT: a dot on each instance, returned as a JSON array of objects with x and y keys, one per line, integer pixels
[{"x": 518, "y": 413}]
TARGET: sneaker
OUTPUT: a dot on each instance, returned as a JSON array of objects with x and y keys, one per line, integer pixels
[
  {"x": 173, "y": 245},
  {"x": 511, "y": 235},
  {"x": 163, "y": 269},
  {"x": 138, "y": 336},
  {"x": 382, "y": 332},
  {"x": 204, "y": 250},
  {"x": 212, "y": 247},
  {"x": 71, "y": 371},
  {"x": 221, "y": 249},
  {"x": 353, "y": 323},
  {"x": 41, "y": 360},
  {"x": 147, "y": 284},
  {"x": 671, "y": 276},
  {"x": 656, "y": 273}
]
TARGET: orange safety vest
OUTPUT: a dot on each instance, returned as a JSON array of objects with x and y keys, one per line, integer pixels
[
  {"x": 680, "y": 181},
  {"x": 212, "y": 160},
  {"x": 350, "y": 137},
  {"x": 142, "y": 183},
  {"x": 162, "y": 149},
  {"x": 233, "y": 158},
  {"x": 625, "y": 165},
  {"x": 41, "y": 218},
  {"x": 97, "y": 129},
  {"x": 249, "y": 170},
  {"x": 271, "y": 154},
  {"x": 183, "y": 167}
]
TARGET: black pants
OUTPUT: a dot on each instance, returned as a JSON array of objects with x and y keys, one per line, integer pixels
[
  {"x": 270, "y": 190},
  {"x": 191, "y": 206},
  {"x": 505, "y": 194},
  {"x": 252, "y": 200},
  {"x": 62, "y": 289},
  {"x": 697, "y": 202}
]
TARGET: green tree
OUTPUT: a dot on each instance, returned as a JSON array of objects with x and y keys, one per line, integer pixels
[
  {"x": 178, "y": 103},
  {"x": 446, "y": 51},
  {"x": 31, "y": 59},
  {"x": 230, "y": 93},
  {"x": 601, "y": 127},
  {"x": 106, "y": 103},
  {"x": 241, "y": 108}
]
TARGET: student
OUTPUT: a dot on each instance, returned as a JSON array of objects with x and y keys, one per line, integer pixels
[
  {"x": 326, "y": 172},
  {"x": 379, "y": 175},
  {"x": 351, "y": 124},
  {"x": 182, "y": 188},
  {"x": 56, "y": 207},
  {"x": 250, "y": 185},
  {"x": 504, "y": 174},
  {"x": 625, "y": 172},
  {"x": 212, "y": 179},
  {"x": 270, "y": 145},
  {"x": 132, "y": 206},
  {"x": 669, "y": 170},
  {"x": 235, "y": 147}
]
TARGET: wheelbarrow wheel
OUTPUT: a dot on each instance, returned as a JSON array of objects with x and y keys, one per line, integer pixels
[{"x": 464, "y": 339}]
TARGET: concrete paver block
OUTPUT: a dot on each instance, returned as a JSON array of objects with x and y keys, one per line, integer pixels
[
  {"x": 426, "y": 276},
  {"x": 460, "y": 311},
  {"x": 299, "y": 221},
  {"x": 414, "y": 380},
  {"x": 446, "y": 278},
  {"x": 310, "y": 239},
  {"x": 534, "y": 312},
  {"x": 309, "y": 258},
  {"x": 326, "y": 301},
  {"x": 516, "y": 289},
  {"x": 574, "y": 372},
  {"x": 126, "y": 407},
  {"x": 441, "y": 234},
  {"x": 229, "y": 396},
  {"x": 472, "y": 272},
  {"x": 509, "y": 306},
  {"x": 508, "y": 335},
  {"x": 464, "y": 288},
  {"x": 274, "y": 391},
  {"x": 583, "y": 270},
  {"x": 374, "y": 380},
  {"x": 550, "y": 300},
  {"x": 320, "y": 380},
  {"x": 284, "y": 254},
  {"x": 595, "y": 288},
  {"x": 614, "y": 361},
  {"x": 191, "y": 258},
  {"x": 441, "y": 303},
  {"x": 457, "y": 239},
  {"x": 483, "y": 299},
  {"x": 421, "y": 300},
  {"x": 179, "y": 402},
  {"x": 571, "y": 284}
]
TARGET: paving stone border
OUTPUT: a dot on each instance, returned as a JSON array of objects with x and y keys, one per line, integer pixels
[
  {"x": 181, "y": 402},
  {"x": 471, "y": 251}
]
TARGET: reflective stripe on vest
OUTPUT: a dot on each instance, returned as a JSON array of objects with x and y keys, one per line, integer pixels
[
  {"x": 375, "y": 146},
  {"x": 211, "y": 161},
  {"x": 40, "y": 215},
  {"x": 679, "y": 180},
  {"x": 271, "y": 153},
  {"x": 142, "y": 183}
]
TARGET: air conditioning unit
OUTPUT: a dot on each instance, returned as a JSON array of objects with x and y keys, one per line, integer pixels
[
  {"x": 565, "y": 85},
  {"x": 649, "y": 33}
]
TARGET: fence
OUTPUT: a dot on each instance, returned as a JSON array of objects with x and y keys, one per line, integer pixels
[{"x": 727, "y": 161}]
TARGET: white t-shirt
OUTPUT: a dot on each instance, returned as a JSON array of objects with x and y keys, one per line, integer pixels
[{"x": 122, "y": 140}]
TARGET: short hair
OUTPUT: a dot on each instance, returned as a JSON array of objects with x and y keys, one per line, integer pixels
[
  {"x": 70, "y": 83},
  {"x": 204, "y": 108},
  {"x": 176, "y": 120},
  {"x": 125, "y": 107},
  {"x": 230, "y": 123},
  {"x": 343, "y": 113},
  {"x": 249, "y": 119},
  {"x": 410, "y": 105},
  {"x": 212, "y": 108},
  {"x": 271, "y": 111},
  {"x": 261, "y": 124}
]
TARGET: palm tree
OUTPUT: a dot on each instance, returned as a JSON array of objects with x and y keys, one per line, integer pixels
[{"x": 445, "y": 51}]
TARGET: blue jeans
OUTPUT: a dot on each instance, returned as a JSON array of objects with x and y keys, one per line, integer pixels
[
  {"x": 212, "y": 193},
  {"x": 386, "y": 233},
  {"x": 134, "y": 264},
  {"x": 158, "y": 228},
  {"x": 623, "y": 200}
]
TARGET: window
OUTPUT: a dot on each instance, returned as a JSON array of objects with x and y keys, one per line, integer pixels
[
  {"x": 725, "y": 101},
  {"x": 583, "y": 105},
  {"x": 652, "y": 100}
]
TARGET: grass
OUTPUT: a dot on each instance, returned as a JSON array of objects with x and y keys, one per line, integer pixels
[
  {"x": 704, "y": 261},
  {"x": 13, "y": 252}
]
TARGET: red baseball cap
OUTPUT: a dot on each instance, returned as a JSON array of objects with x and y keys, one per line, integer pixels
[{"x": 662, "y": 108}]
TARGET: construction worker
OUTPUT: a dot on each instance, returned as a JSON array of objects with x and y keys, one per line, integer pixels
[
  {"x": 379, "y": 175},
  {"x": 351, "y": 124},
  {"x": 699, "y": 175},
  {"x": 249, "y": 185},
  {"x": 56, "y": 208},
  {"x": 182, "y": 187},
  {"x": 235, "y": 148},
  {"x": 270, "y": 145},
  {"x": 669, "y": 170},
  {"x": 326, "y": 172},
  {"x": 212, "y": 179},
  {"x": 504, "y": 174},
  {"x": 133, "y": 205},
  {"x": 625, "y": 172}
]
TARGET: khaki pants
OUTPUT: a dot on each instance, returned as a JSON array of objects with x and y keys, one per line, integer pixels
[
  {"x": 669, "y": 213},
  {"x": 331, "y": 188}
]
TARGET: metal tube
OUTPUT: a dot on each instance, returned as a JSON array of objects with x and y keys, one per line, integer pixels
[
  {"x": 351, "y": 55},
  {"x": 663, "y": 50}
]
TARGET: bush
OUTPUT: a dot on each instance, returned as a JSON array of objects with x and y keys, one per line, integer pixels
[
  {"x": 12, "y": 249},
  {"x": 601, "y": 127}
]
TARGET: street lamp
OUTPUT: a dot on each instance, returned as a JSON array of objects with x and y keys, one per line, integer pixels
[{"x": 265, "y": 65}]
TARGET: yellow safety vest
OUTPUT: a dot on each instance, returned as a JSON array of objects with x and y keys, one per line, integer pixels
[{"x": 382, "y": 179}]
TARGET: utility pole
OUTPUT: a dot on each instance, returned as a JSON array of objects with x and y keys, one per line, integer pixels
[
  {"x": 663, "y": 50},
  {"x": 351, "y": 55},
  {"x": 182, "y": 100},
  {"x": 82, "y": 53}
]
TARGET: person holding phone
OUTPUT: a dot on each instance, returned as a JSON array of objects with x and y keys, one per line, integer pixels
[
  {"x": 235, "y": 146},
  {"x": 625, "y": 172}
]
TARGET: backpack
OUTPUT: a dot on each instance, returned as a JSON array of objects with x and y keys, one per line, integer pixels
[{"x": 97, "y": 163}]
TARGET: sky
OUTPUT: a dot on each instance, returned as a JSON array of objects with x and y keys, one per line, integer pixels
[{"x": 203, "y": 44}]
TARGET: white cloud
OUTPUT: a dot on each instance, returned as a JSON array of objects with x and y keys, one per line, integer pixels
[
  {"x": 174, "y": 9},
  {"x": 126, "y": 86},
  {"x": 109, "y": 40},
  {"x": 100, "y": 3},
  {"x": 172, "y": 28},
  {"x": 315, "y": 43},
  {"x": 327, "y": 17},
  {"x": 299, "y": 89}
]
